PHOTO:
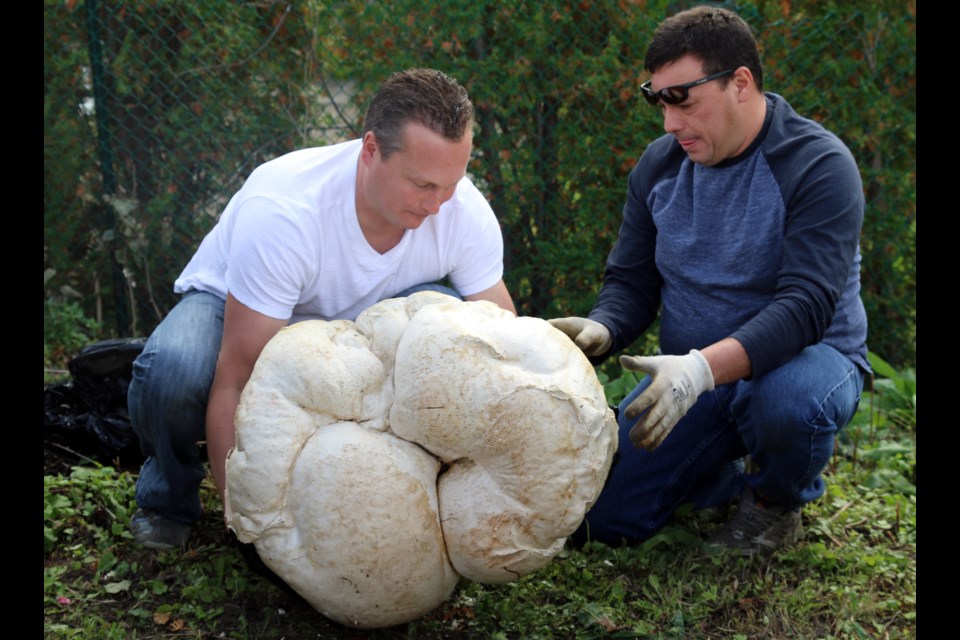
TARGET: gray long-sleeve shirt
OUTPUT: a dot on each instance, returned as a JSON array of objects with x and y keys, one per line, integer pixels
[{"x": 763, "y": 247}]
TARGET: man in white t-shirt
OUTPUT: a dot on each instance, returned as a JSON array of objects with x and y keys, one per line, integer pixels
[{"x": 317, "y": 233}]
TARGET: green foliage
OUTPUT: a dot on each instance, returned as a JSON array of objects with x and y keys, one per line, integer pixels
[
  {"x": 853, "y": 575},
  {"x": 895, "y": 393},
  {"x": 616, "y": 388},
  {"x": 835, "y": 62},
  {"x": 195, "y": 94},
  {"x": 90, "y": 497},
  {"x": 66, "y": 330},
  {"x": 186, "y": 98},
  {"x": 880, "y": 442}
]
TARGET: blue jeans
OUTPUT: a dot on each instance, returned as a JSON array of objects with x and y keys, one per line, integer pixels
[
  {"x": 167, "y": 402},
  {"x": 786, "y": 420}
]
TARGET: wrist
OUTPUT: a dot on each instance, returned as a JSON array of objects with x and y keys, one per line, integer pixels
[{"x": 703, "y": 372}]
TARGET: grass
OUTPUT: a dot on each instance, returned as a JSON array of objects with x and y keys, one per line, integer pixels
[{"x": 853, "y": 576}]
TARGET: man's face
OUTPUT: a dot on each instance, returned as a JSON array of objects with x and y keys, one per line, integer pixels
[
  {"x": 709, "y": 124},
  {"x": 410, "y": 185}
]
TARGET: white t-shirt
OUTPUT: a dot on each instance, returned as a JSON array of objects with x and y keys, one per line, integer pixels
[{"x": 289, "y": 245}]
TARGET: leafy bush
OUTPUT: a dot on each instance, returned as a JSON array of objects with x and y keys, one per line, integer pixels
[
  {"x": 66, "y": 330},
  {"x": 193, "y": 95},
  {"x": 881, "y": 439},
  {"x": 895, "y": 393}
]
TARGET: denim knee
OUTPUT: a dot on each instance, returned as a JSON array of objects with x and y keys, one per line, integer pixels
[
  {"x": 171, "y": 378},
  {"x": 695, "y": 463},
  {"x": 167, "y": 392},
  {"x": 788, "y": 420}
]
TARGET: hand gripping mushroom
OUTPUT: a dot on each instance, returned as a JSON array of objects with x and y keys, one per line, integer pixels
[{"x": 380, "y": 461}]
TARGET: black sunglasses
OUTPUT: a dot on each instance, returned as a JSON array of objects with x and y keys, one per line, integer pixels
[{"x": 678, "y": 92}]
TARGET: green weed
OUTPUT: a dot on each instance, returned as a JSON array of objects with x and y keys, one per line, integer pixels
[
  {"x": 66, "y": 330},
  {"x": 852, "y": 577}
]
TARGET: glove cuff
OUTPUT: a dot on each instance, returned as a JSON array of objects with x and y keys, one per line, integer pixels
[{"x": 704, "y": 374}]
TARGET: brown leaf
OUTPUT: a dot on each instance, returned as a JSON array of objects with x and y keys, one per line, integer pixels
[
  {"x": 607, "y": 624},
  {"x": 460, "y": 613}
]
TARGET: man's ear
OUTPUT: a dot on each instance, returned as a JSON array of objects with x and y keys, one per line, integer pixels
[
  {"x": 369, "y": 148},
  {"x": 743, "y": 80}
]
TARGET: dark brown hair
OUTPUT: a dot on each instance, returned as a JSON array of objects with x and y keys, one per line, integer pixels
[
  {"x": 425, "y": 96},
  {"x": 718, "y": 37}
]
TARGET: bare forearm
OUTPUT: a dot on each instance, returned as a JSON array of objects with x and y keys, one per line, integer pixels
[
  {"x": 245, "y": 332},
  {"x": 499, "y": 295},
  {"x": 728, "y": 361},
  {"x": 221, "y": 409}
]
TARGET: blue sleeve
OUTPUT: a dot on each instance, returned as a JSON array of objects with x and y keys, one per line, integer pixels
[{"x": 823, "y": 195}]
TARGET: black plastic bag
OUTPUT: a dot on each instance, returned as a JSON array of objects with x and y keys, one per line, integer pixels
[{"x": 86, "y": 417}]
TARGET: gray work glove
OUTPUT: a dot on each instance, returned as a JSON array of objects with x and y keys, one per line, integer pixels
[
  {"x": 592, "y": 337},
  {"x": 677, "y": 383}
]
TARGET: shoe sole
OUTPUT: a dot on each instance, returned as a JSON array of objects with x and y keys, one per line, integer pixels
[
  {"x": 759, "y": 550},
  {"x": 157, "y": 546}
]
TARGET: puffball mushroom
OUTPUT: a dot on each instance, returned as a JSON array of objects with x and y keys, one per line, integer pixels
[{"x": 380, "y": 461}]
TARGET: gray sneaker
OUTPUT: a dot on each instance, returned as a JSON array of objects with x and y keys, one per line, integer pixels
[
  {"x": 154, "y": 531},
  {"x": 757, "y": 528}
]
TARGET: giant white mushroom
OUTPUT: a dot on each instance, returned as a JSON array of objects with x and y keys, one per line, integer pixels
[{"x": 380, "y": 461}]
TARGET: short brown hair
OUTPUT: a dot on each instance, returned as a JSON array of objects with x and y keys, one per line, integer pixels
[{"x": 425, "y": 96}]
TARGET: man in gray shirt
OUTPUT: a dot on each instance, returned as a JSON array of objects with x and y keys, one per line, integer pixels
[{"x": 741, "y": 227}]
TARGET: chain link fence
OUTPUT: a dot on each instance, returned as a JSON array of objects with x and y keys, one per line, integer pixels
[{"x": 156, "y": 111}]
